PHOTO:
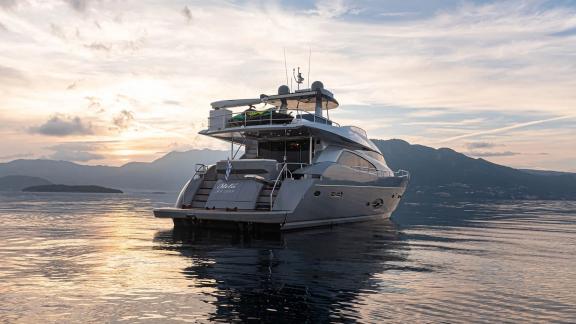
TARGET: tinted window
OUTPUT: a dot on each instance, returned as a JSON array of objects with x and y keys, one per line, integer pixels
[
  {"x": 375, "y": 156},
  {"x": 354, "y": 161},
  {"x": 296, "y": 151}
]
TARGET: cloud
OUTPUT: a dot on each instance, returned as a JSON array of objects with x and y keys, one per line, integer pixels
[
  {"x": 565, "y": 33},
  {"x": 60, "y": 125},
  {"x": 72, "y": 85},
  {"x": 7, "y": 3},
  {"x": 334, "y": 8},
  {"x": 99, "y": 47},
  {"x": 449, "y": 57},
  {"x": 507, "y": 128},
  {"x": 9, "y": 73},
  {"x": 477, "y": 145},
  {"x": 172, "y": 102},
  {"x": 57, "y": 31},
  {"x": 95, "y": 103},
  {"x": 123, "y": 119},
  {"x": 77, "y": 151},
  {"x": 16, "y": 156},
  {"x": 78, "y": 5},
  {"x": 187, "y": 14},
  {"x": 398, "y": 14},
  {"x": 118, "y": 47},
  {"x": 491, "y": 154}
]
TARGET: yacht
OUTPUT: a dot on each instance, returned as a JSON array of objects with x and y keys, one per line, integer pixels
[{"x": 290, "y": 167}]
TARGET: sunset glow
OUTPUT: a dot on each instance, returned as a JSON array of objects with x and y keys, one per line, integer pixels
[{"x": 109, "y": 82}]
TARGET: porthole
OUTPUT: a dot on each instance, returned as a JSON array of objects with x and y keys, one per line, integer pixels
[
  {"x": 316, "y": 193},
  {"x": 378, "y": 203}
]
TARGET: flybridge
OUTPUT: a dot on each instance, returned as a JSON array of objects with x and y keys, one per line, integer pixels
[
  {"x": 303, "y": 114},
  {"x": 308, "y": 105},
  {"x": 314, "y": 99}
]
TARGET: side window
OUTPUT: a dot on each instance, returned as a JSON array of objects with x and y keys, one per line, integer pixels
[
  {"x": 366, "y": 165},
  {"x": 347, "y": 158},
  {"x": 355, "y": 161}
]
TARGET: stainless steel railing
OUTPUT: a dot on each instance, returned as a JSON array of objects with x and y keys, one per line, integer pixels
[
  {"x": 284, "y": 169},
  {"x": 200, "y": 170},
  {"x": 402, "y": 174},
  {"x": 379, "y": 173},
  {"x": 383, "y": 173},
  {"x": 232, "y": 120},
  {"x": 304, "y": 115},
  {"x": 287, "y": 175}
]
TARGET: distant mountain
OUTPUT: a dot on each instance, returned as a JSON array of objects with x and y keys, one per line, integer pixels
[
  {"x": 19, "y": 182},
  {"x": 169, "y": 172},
  {"x": 548, "y": 172},
  {"x": 435, "y": 173},
  {"x": 446, "y": 173},
  {"x": 65, "y": 188}
]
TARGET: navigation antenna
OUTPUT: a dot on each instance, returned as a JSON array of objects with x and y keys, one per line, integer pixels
[
  {"x": 309, "y": 57},
  {"x": 297, "y": 77},
  {"x": 286, "y": 67}
]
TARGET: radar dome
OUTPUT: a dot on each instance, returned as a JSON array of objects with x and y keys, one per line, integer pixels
[
  {"x": 317, "y": 85},
  {"x": 283, "y": 89}
]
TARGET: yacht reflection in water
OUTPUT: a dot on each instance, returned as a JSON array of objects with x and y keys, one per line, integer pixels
[{"x": 309, "y": 276}]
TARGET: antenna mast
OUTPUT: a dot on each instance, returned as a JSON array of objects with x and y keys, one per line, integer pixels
[
  {"x": 285, "y": 66},
  {"x": 309, "y": 57}
]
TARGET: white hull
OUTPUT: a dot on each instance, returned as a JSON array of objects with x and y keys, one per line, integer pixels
[{"x": 354, "y": 205}]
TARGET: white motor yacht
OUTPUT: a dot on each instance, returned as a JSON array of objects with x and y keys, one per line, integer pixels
[{"x": 297, "y": 168}]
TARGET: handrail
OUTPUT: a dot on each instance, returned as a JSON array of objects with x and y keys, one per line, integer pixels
[
  {"x": 315, "y": 118},
  {"x": 227, "y": 122},
  {"x": 301, "y": 164},
  {"x": 284, "y": 166},
  {"x": 246, "y": 122},
  {"x": 200, "y": 169},
  {"x": 402, "y": 173},
  {"x": 380, "y": 173},
  {"x": 239, "y": 147},
  {"x": 383, "y": 173}
]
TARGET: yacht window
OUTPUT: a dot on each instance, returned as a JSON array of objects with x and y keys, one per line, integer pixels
[
  {"x": 297, "y": 151},
  {"x": 355, "y": 161},
  {"x": 375, "y": 156}
]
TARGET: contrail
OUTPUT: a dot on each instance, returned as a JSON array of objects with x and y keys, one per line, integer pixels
[{"x": 507, "y": 128}]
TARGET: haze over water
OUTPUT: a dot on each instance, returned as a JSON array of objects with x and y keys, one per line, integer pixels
[{"x": 104, "y": 258}]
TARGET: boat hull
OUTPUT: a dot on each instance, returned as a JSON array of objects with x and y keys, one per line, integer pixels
[{"x": 317, "y": 205}]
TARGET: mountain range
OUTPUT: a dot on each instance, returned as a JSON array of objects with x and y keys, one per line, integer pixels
[
  {"x": 434, "y": 173},
  {"x": 169, "y": 172},
  {"x": 445, "y": 172},
  {"x": 19, "y": 182}
]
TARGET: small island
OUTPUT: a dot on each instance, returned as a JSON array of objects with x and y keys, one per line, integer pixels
[{"x": 66, "y": 188}]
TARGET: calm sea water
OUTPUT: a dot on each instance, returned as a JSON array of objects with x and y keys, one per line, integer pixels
[{"x": 104, "y": 258}]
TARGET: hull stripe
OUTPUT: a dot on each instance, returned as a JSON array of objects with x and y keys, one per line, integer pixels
[{"x": 352, "y": 186}]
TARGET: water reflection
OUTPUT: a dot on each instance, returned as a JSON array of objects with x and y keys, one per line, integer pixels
[
  {"x": 104, "y": 258},
  {"x": 307, "y": 276}
]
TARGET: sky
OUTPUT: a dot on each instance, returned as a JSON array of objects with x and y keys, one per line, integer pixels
[{"x": 112, "y": 81}]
